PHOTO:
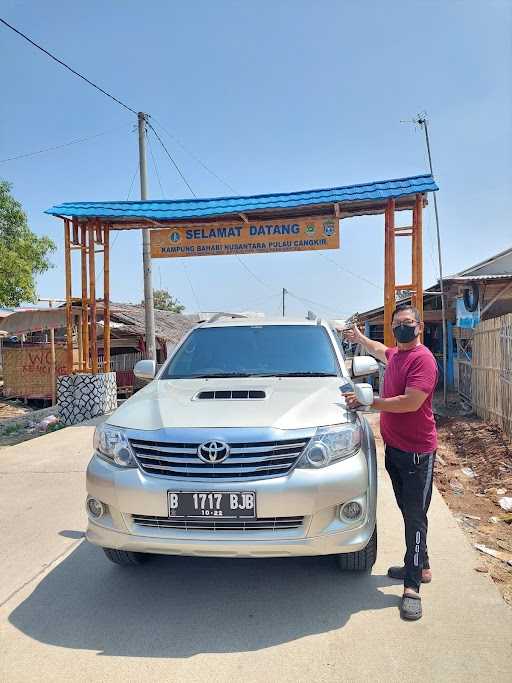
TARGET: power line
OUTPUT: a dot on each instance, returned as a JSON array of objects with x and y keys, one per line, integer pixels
[
  {"x": 118, "y": 232},
  {"x": 66, "y": 66},
  {"x": 350, "y": 272},
  {"x": 172, "y": 160},
  {"x": 314, "y": 303},
  {"x": 65, "y": 144},
  {"x": 155, "y": 166},
  {"x": 192, "y": 289},
  {"x": 258, "y": 279},
  {"x": 195, "y": 157}
]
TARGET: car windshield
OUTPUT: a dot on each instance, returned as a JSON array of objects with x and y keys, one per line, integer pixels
[{"x": 258, "y": 350}]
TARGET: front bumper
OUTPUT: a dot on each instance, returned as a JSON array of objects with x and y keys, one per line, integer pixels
[{"x": 315, "y": 495}]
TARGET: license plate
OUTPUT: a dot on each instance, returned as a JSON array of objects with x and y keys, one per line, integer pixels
[{"x": 225, "y": 504}]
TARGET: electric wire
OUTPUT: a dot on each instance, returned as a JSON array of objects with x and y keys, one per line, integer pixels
[
  {"x": 118, "y": 232},
  {"x": 171, "y": 158},
  {"x": 315, "y": 303},
  {"x": 192, "y": 289},
  {"x": 195, "y": 157},
  {"x": 350, "y": 272},
  {"x": 155, "y": 165},
  {"x": 65, "y": 144},
  {"x": 66, "y": 66},
  {"x": 256, "y": 277}
]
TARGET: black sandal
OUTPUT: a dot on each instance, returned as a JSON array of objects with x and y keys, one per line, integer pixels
[
  {"x": 398, "y": 573},
  {"x": 410, "y": 607}
]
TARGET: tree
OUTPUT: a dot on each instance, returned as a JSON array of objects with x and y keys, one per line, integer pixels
[
  {"x": 163, "y": 301},
  {"x": 23, "y": 254}
]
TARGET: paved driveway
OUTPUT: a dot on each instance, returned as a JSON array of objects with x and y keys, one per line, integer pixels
[{"x": 69, "y": 615}]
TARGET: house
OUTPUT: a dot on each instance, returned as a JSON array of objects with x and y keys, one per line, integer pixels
[
  {"x": 27, "y": 348},
  {"x": 477, "y": 293}
]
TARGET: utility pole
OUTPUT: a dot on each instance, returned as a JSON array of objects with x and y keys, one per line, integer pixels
[
  {"x": 149, "y": 311},
  {"x": 285, "y": 292},
  {"x": 422, "y": 121}
]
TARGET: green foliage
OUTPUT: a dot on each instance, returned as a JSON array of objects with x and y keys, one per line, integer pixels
[
  {"x": 23, "y": 254},
  {"x": 165, "y": 302}
]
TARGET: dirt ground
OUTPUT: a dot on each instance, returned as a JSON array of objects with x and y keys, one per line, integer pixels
[{"x": 473, "y": 494}]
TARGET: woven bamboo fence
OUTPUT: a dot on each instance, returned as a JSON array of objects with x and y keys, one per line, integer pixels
[{"x": 492, "y": 371}]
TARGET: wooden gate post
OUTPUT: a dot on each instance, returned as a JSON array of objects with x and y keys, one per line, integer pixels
[{"x": 389, "y": 271}]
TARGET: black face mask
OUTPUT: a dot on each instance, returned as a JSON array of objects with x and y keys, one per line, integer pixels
[{"x": 405, "y": 333}]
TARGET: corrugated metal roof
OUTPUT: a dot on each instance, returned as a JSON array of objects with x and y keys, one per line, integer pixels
[
  {"x": 475, "y": 278},
  {"x": 196, "y": 208}
]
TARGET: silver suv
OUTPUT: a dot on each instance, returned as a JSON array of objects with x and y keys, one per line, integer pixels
[{"x": 241, "y": 446}]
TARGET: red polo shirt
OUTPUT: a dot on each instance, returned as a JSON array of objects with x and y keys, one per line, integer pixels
[{"x": 417, "y": 369}]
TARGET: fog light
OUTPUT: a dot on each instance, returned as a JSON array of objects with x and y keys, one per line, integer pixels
[
  {"x": 95, "y": 507},
  {"x": 351, "y": 510},
  {"x": 123, "y": 457},
  {"x": 317, "y": 455}
]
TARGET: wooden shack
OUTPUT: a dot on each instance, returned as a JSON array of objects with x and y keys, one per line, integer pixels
[{"x": 29, "y": 368}]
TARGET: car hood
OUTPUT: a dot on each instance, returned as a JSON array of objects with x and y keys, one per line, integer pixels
[{"x": 290, "y": 403}]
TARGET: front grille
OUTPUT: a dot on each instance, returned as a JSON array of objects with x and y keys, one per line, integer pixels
[
  {"x": 261, "y": 524},
  {"x": 257, "y": 460}
]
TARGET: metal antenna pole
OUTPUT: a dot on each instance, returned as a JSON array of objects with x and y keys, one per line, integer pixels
[
  {"x": 284, "y": 294},
  {"x": 149, "y": 311},
  {"x": 422, "y": 121}
]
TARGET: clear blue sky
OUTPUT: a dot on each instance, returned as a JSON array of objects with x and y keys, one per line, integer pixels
[{"x": 274, "y": 95}]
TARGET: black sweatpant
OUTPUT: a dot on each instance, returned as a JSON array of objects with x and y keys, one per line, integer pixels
[{"x": 412, "y": 475}]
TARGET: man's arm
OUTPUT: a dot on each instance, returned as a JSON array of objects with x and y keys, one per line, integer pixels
[
  {"x": 376, "y": 349},
  {"x": 409, "y": 402}
]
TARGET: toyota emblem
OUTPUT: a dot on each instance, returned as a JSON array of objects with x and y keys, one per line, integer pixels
[{"x": 213, "y": 452}]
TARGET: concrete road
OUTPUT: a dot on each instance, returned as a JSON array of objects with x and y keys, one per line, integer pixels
[{"x": 69, "y": 615}]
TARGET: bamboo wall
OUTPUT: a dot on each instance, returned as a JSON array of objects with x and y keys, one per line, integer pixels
[{"x": 492, "y": 371}]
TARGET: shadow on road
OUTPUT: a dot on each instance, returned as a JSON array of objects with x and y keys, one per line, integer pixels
[{"x": 179, "y": 607}]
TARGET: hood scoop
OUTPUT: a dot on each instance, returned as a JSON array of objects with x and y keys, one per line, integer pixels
[{"x": 229, "y": 395}]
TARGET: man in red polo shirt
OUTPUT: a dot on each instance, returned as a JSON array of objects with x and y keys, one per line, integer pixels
[{"x": 408, "y": 429}]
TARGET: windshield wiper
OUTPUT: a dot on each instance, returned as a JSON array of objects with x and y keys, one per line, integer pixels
[
  {"x": 208, "y": 375},
  {"x": 304, "y": 374}
]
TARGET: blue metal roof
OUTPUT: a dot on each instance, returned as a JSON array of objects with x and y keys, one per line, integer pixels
[{"x": 169, "y": 209}]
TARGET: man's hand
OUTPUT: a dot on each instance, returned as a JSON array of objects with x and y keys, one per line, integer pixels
[
  {"x": 353, "y": 335},
  {"x": 351, "y": 400}
]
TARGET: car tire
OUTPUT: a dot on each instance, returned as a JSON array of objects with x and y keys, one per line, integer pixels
[
  {"x": 361, "y": 561},
  {"x": 125, "y": 558}
]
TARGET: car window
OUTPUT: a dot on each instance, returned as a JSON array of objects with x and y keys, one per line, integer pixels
[{"x": 254, "y": 350}]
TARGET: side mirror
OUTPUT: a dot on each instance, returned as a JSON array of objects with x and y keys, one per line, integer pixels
[
  {"x": 145, "y": 369},
  {"x": 364, "y": 365},
  {"x": 364, "y": 394}
]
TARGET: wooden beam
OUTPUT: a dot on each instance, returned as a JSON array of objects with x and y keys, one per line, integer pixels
[
  {"x": 69, "y": 299},
  {"x": 389, "y": 271},
  {"x": 244, "y": 217},
  {"x": 85, "y": 308},
  {"x": 75, "y": 239},
  {"x": 106, "y": 298},
  {"x": 92, "y": 301},
  {"x": 417, "y": 246}
]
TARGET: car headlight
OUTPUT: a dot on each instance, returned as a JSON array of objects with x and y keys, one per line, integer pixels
[
  {"x": 330, "y": 445},
  {"x": 113, "y": 445}
]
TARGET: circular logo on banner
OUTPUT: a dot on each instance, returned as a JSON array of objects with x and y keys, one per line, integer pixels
[
  {"x": 329, "y": 229},
  {"x": 174, "y": 236},
  {"x": 310, "y": 229}
]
